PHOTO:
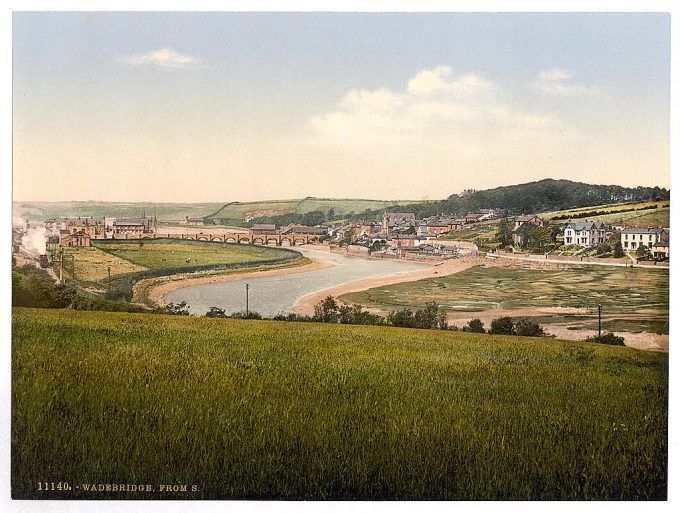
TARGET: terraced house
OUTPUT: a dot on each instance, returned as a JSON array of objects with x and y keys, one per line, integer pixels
[{"x": 585, "y": 233}]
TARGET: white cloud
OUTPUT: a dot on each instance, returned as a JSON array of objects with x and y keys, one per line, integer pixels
[
  {"x": 557, "y": 82},
  {"x": 436, "y": 105},
  {"x": 163, "y": 58},
  {"x": 438, "y": 80}
]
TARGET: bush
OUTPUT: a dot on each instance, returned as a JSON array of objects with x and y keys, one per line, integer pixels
[
  {"x": 244, "y": 315},
  {"x": 120, "y": 289},
  {"x": 216, "y": 312},
  {"x": 527, "y": 328},
  {"x": 474, "y": 326},
  {"x": 35, "y": 288},
  {"x": 402, "y": 318},
  {"x": 173, "y": 309},
  {"x": 502, "y": 326},
  {"x": 608, "y": 338}
]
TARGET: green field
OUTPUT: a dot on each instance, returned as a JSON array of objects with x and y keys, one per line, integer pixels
[
  {"x": 659, "y": 217},
  {"x": 264, "y": 409},
  {"x": 162, "y": 254},
  {"x": 624, "y": 292},
  {"x": 163, "y": 211},
  {"x": 239, "y": 211},
  {"x": 92, "y": 264}
]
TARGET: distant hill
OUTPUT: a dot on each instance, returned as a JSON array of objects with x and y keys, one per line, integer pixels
[
  {"x": 34, "y": 210},
  {"x": 235, "y": 212},
  {"x": 542, "y": 196}
]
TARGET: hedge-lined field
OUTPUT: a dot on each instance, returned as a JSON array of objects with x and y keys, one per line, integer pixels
[{"x": 264, "y": 409}]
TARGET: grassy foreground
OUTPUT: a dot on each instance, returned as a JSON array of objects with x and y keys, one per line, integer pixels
[{"x": 262, "y": 409}]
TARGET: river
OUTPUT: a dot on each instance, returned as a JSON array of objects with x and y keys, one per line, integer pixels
[{"x": 277, "y": 294}]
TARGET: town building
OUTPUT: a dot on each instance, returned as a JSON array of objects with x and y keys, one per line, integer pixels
[
  {"x": 585, "y": 234},
  {"x": 79, "y": 239},
  {"x": 263, "y": 228},
  {"x": 397, "y": 221},
  {"x": 519, "y": 233},
  {"x": 444, "y": 225},
  {"x": 132, "y": 225},
  {"x": 95, "y": 227},
  {"x": 193, "y": 221},
  {"x": 302, "y": 229},
  {"x": 633, "y": 238}
]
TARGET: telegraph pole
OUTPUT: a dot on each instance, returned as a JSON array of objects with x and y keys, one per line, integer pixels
[
  {"x": 247, "y": 287},
  {"x": 61, "y": 266},
  {"x": 599, "y": 320},
  {"x": 109, "y": 279}
]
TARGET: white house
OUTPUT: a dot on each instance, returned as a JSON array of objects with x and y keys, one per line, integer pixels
[
  {"x": 633, "y": 238},
  {"x": 584, "y": 233}
]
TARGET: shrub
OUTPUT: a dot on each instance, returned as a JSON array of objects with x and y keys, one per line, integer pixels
[
  {"x": 608, "y": 338},
  {"x": 33, "y": 287},
  {"x": 527, "y": 328},
  {"x": 216, "y": 312},
  {"x": 474, "y": 326},
  {"x": 244, "y": 315},
  {"x": 402, "y": 318},
  {"x": 502, "y": 326},
  {"x": 173, "y": 309}
]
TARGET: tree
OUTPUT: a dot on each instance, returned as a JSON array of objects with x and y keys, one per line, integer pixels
[
  {"x": 474, "y": 326},
  {"x": 504, "y": 234},
  {"x": 539, "y": 238},
  {"x": 603, "y": 249},
  {"x": 432, "y": 317},
  {"x": 173, "y": 309},
  {"x": 643, "y": 252},
  {"x": 618, "y": 250},
  {"x": 527, "y": 328},
  {"x": 330, "y": 215},
  {"x": 402, "y": 318},
  {"x": 216, "y": 312},
  {"x": 326, "y": 310},
  {"x": 502, "y": 326}
]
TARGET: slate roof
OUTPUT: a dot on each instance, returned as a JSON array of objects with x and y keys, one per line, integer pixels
[{"x": 580, "y": 226}]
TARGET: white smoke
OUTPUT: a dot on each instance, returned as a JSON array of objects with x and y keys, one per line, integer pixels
[{"x": 35, "y": 240}]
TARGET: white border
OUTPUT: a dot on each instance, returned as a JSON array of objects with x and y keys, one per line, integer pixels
[{"x": 330, "y": 6}]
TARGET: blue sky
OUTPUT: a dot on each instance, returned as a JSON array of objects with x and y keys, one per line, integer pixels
[{"x": 152, "y": 106}]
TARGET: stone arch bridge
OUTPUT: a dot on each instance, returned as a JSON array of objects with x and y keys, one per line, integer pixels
[{"x": 263, "y": 239}]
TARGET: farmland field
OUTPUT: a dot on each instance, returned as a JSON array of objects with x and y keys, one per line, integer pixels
[
  {"x": 238, "y": 211},
  {"x": 264, "y": 409},
  {"x": 624, "y": 293},
  {"x": 160, "y": 254},
  {"x": 612, "y": 207},
  {"x": 92, "y": 264},
  {"x": 163, "y": 211}
]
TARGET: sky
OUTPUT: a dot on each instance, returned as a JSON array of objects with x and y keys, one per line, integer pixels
[{"x": 199, "y": 107}]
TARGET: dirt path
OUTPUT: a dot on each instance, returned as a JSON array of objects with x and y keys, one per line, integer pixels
[{"x": 305, "y": 305}]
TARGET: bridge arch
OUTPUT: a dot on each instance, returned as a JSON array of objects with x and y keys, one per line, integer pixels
[
  {"x": 299, "y": 241},
  {"x": 216, "y": 239},
  {"x": 258, "y": 240},
  {"x": 272, "y": 239},
  {"x": 230, "y": 239}
]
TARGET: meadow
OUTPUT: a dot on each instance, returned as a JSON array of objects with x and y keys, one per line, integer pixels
[
  {"x": 626, "y": 293},
  {"x": 264, "y": 410},
  {"x": 163, "y": 211},
  {"x": 161, "y": 254},
  {"x": 239, "y": 211}
]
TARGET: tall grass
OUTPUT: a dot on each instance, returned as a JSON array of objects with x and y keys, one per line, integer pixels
[{"x": 253, "y": 409}]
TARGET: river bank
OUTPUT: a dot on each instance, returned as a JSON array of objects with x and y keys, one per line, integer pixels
[{"x": 157, "y": 289}]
